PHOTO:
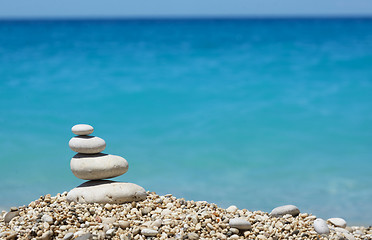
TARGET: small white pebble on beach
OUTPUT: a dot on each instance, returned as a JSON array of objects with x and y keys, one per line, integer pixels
[
  {"x": 231, "y": 209},
  {"x": 149, "y": 232},
  {"x": 47, "y": 218},
  {"x": 337, "y": 222},
  {"x": 321, "y": 226}
]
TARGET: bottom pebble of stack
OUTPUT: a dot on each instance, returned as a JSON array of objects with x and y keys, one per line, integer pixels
[{"x": 106, "y": 191}]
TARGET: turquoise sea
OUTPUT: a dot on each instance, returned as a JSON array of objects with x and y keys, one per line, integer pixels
[{"x": 256, "y": 113}]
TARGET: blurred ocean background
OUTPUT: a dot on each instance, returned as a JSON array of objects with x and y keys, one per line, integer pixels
[{"x": 256, "y": 113}]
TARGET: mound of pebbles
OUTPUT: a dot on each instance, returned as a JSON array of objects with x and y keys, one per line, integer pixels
[{"x": 161, "y": 217}]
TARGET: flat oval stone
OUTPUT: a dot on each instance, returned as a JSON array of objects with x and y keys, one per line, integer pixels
[
  {"x": 82, "y": 129},
  {"x": 338, "y": 222},
  {"x": 87, "y": 144},
  {"x": 232, "y": 209},
  {"x": 240, "y": 224},
  {"x": 106, "y": 191},
  {"x": 10, "y": 215},
  {"x": 283, "y": 210},
  {"x": 321, "y": 226},
  {"x": 98, "y": 166},
  {"x": 149, "y": 232}
]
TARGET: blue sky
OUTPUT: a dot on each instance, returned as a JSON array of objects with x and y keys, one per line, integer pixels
[{"x": 150, "y": 8}]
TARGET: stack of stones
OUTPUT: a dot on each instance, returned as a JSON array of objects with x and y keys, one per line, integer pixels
[{"x": 91, "y": 164}]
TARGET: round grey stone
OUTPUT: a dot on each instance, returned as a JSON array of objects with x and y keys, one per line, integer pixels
[
  {"x": 98, "y": 166},
  {"x": 283, "y": 210},
  {"x": 82, "y": 129},
  {"x": 106, "y": 191},
  {"x": 87, "y": 144},
  {"x": 321, "y": 226},
  {"x": 240, "y": 224}
]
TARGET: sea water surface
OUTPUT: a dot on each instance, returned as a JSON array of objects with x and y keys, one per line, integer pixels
[{"x": 255, "y": 113}]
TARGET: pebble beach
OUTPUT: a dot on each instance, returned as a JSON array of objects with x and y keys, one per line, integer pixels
[{"x": 165, "y": 217}]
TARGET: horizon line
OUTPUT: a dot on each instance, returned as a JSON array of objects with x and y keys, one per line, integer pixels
[{"x": 184, "y": 17}]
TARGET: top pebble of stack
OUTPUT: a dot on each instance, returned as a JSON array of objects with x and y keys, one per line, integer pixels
[
  {"x": 86, "y": 144},
  {"x": 82, "y": 129}
]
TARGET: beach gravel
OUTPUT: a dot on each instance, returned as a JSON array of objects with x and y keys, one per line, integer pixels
[{"x": 161, "y": 217}]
